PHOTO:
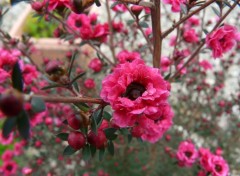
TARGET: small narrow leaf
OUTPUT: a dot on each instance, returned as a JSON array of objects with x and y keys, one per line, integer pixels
[
  {"x": 101, "y": 154},
  {"x": 167, "y": 76},
  {"x": 93, "y": 150},
  {"x": 69, "y": 151},
  {"x": 51, "y": 86},
  {"x": 38, "y": 105},
  {"x": 82, "y": 106},
  {"x": 216, "y": 11},
  {"x": 130, "y": 22},
  {"x": 107, "y": 116},
  {"x": 63, "y": 136},
  {"x": 8, "y": 126},
  {"x": 183, "y": 9},
  {"x": 94, "y": 125},
  {"x": 143, "y": 24},
  {"x": 71, "y": 63},
  {"x": 17, "y": 80},
  {"x": 86, "y": 152},
  {"x": 110, "y": 147},
  {"x": 23, "y": 125},
  {"x": 77, "y": 77},
  {"x": 110, "y": 133}
]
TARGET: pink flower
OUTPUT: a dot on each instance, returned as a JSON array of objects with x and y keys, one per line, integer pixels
[
  {"x": 219, "y": 166},
  {"x": 138, "y": 94},
  {"x": 186, "y": 154},
  {"x": 201, "y": 173},
  {"x": 30, "y": 73},
  {"x": 165, "y": 63},
  {"x": 119, "y": 8},
  {"x": 18, "y": 148},
  {"x": 126, "y": 56},
  {"x": 53, "y": 4},
  {"x": 9, "y": 168},
  {"x": 205, "y": 65},
  {"x": 172, "y": 41},
  {"x": 148, "y": 31},
  {"x": 6, "y": 141},
  {"x": 26, "y": 170},
  {"x": 222, "y": 40},
  {"x": 89, "y": 83},
  {"x": 7, "y": 155},
  {"x": 3, "y": 76},
  {"x": 205, "y": 159},
  {"x": 95, "y": 64},
  {"x": 80, "y": 23},
  {"x": 175, "y": 4},
  {"x": 117, "y": 26},
  {"x": 190, "y": 36},
  {"x": 100, "y": 32},
  {"x": 182, "y": 71}
]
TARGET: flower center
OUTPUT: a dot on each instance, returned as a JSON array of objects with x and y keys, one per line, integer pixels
[
  {"x": 188, "y": 154},
  {"x": 134, "y": 90},
  {"x": 218, "y": 168},
  {"x": 78, "y": 23},
  {"x": 9, "y": 167}
]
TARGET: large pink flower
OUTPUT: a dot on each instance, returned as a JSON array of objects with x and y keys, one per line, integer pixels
[
  {"x": 190, "y": 36},
  {"x": 186, "y": 154},
  {"x": 53, "y": 4},
  {"x": 222, "y": 40},
  {"x": 138, "y": 93},
  {"x": 9, "y": 168}
]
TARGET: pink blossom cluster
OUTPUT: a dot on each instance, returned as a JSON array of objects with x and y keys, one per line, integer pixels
[
  {"x": 87, "y": 27},
  {"x": 9, "y": 166},
  {"x": 210, "y": 163},
  {"x": 138, "y": 95},
  {"x": 222, "y": 40}
]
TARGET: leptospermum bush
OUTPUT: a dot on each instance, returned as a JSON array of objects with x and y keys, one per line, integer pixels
[{"x": 161, "y": 92}]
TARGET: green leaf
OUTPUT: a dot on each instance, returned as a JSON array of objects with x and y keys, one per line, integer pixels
[
  {"x": 124, "y": 131},
  {"x": 8, "y": 126},
  {"x": 69, "y": 151},
  {"x": 63, "y": 136},
  {"x": 130, "y": 22},
  {"x": 184, "y": 9},
  {"x": 98, "y": 115},
  {"x": 51, "y": 86},
  {"x": 17, "y": 80},
  {"x": 82, "y": 106},
  {"x": 167, "y": 76},
  {"x": 110, "y": 133},
  {"x": 38, "y": 105},
  {"x": 71, "y": 63},
  {"x": 77, "y": 77},
  {"x": 23, "y": 125},
  {"x": 110, "y": 147},
  {"x": 107, "y": 115},
  {"x": 143, "y": 24},
  {"x": 101, "y": 153},
  {"x": 94, "y": 125},
  {"x": 86, "y": 152},
  {"x": 93, "y": 150},
  {"x": 129, "y": 138},
  {"x": 216, "y": 11}
]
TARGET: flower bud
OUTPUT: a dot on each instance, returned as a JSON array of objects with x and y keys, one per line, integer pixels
[
  {"x": 37, "y": 6},
  {"x": 136, "y": 10},
  {"x": 11, "y": 104}
]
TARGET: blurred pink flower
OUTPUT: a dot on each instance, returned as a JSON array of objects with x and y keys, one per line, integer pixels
[
  {"x": 7, "y": 155},
  {"x": 95, "y": 64},
  {"x": 222, "y": 40},
  {"x": 190, "y": 36},
  {"x": 89, "y": 83},
  {"x": 6, "y": 141},
  {"x": 9, "y": 168},
  {"x": 165, "y": 63},
  {"x": 206, "y": 65},
  {"x": 186, "y": 154},
  {"x": 176, "y": 4},
  {"x": 127, "y": 56}
]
